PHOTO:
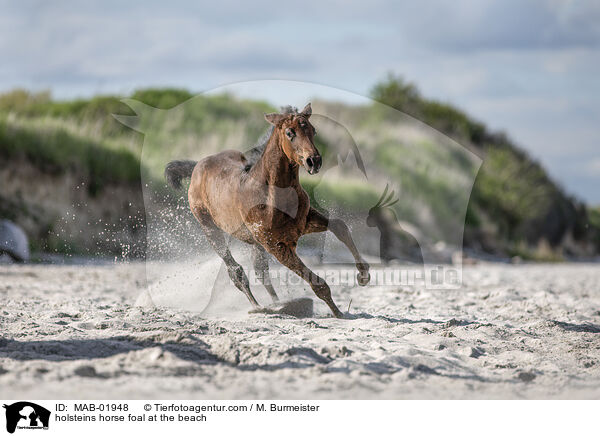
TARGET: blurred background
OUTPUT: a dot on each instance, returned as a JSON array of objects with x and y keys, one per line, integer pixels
[{"x": 514, "y": 83}]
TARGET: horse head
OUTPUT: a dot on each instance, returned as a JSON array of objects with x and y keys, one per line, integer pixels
[{"x": 296, "y": 136}]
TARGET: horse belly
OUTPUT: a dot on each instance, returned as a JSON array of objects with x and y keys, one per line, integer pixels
[
  {"x": 220, "y": 180},
  {"x": 224, "y": 210}
]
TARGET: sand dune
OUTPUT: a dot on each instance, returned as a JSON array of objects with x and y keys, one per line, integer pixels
[{"x": 527, "y": 331}]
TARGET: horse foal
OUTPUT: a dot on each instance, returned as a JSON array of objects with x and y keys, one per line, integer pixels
[{"x": 259, "y": 200}]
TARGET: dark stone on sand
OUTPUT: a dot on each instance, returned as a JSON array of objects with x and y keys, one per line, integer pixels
[
  {"x": 13, "y": 241},
  {"x": 425, "y": 369},
  {"x": 300, "y": 308},
  {"x": 526, "y": 376},
  {"x": 309, "y": 353},
  {"x": 86, "y": 371},
  {"x": 476, "y": 352}
]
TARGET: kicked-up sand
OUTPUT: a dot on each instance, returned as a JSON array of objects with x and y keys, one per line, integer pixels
[{"x": 511, "y": 331}]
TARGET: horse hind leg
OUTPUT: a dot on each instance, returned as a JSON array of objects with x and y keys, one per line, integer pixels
[
  {"x": 261, "y": 267},
  {"x": 216, "y": 237}
]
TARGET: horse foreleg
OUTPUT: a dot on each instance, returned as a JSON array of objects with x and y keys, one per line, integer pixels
[
  {"x": 261, "y": 266},
  {"x": 317, "y": 222},
  {"x": 288, "y": 257},
  {"x": 216, "y": 238}
]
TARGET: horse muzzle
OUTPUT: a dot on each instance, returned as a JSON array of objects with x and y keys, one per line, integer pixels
[{"x": 313, "y": 164}]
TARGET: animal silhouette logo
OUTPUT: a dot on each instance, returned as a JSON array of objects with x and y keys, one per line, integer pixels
[
  {"x": 395, "y": 242},
  {"x": 26, "y": 415},
  {"x": 432, "y": 210},
  {"x": 386, "y": 200}
]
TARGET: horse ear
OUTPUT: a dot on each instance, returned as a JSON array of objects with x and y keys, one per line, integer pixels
[
  {"x": 274, "y": 118},
  {"x": 307, "y": 111}
]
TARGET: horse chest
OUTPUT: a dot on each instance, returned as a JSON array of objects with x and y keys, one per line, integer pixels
[{"x": 281, "y": 217}]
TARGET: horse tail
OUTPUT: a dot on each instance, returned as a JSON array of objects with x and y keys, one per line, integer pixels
[{"x": 177, "y": 170}]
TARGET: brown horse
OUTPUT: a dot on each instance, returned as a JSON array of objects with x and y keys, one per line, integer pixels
[{"x": 260, "y": 201}]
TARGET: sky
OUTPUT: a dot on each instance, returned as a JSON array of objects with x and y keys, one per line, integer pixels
[{"x": 526, "y": 67}]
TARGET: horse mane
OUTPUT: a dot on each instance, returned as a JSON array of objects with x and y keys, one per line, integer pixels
[{"x": 255, "y": 153}]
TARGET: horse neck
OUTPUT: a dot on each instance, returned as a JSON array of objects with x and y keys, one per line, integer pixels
[{"x": 274, "y": 167}]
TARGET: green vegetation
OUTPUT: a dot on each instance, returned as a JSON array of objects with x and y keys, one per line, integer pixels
[
  {"x": 395, "y": 92},
  {"x": 82, "y": 135},
  {"x": 425, "y": 173},
  {"x": 54, "y": 151},
  {"x": 513, "y": 199},
  {"x": 595, "y": 217},
  {"x": 162, "y": 98},
  {"x": 514, "y": 204},
  {"x": 514, "y": 189},
  {"x": 594, "y": 224},
  {"x": 543, "y": 252}
]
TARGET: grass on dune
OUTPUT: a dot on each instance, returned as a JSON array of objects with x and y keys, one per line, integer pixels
[
  {"x": 55, "y": 150},
  {"x": 512, "y": 194}
]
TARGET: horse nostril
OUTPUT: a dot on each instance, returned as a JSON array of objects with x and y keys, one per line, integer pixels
[{"x": 309, "y": 162}]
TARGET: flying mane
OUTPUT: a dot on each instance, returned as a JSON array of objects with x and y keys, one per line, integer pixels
[{"x": 254, "y": 154}]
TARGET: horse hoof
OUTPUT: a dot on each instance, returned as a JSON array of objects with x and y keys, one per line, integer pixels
[{"x": 363, "y": 278}]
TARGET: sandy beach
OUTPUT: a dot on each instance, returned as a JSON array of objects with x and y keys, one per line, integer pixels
[{"x": 512, "y": 331}]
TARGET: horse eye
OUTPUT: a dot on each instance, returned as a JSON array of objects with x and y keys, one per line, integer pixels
[{"x": 290, "y": 133}]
